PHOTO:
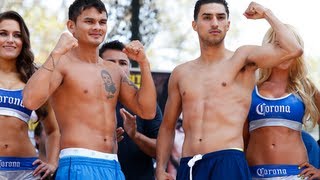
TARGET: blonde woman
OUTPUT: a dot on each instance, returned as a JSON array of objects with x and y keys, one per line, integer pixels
[{"x": 283, "y": 101}]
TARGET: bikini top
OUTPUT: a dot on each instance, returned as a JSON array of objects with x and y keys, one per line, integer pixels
[
  {"x": 287, "y": 111},
  {"x": 11, "y": 104}
]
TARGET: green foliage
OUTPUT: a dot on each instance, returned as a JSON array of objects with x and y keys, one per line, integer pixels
[{"x": 46, "y": 24}]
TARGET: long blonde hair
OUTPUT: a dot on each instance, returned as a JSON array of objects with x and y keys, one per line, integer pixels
[{"x": 299, "y": 83}]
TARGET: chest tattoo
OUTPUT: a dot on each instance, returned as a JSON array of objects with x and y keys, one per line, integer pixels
[{"x": 109, "y": 85}]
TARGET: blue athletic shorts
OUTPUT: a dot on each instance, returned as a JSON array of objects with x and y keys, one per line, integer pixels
[
  {"x": 219, "y": 165},
  {"x": 84, "y": 168},
  {"x": 17, "y": 168},
  {"x": 281, "y": 171}
]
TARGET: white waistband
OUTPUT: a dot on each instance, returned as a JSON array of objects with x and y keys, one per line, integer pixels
[{"x": 87, "y": 153}]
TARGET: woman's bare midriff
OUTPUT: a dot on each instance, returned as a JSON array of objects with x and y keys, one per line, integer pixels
[
  {"x": 14, "y": 139},
  {"x": 276, "y": 145}
]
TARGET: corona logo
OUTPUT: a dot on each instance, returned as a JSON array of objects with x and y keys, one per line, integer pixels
[{"x": 263, "y": 109}]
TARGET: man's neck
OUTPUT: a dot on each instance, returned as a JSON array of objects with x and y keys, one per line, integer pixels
[
  {"x": 87, "y": 54},
  {"x": 211, "y": 54}
]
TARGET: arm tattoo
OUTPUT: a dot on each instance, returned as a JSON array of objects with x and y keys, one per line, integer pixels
[
  {"x": 109, "y": 85},
  {"x": 53, "y": 65},
  {"x": 130, "y": 83}
]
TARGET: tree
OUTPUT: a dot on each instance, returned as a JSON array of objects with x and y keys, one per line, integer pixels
[
  {"x": 133, "y": 20},
  {"x": 128, "y": 20}
]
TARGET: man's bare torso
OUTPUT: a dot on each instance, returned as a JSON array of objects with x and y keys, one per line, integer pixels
[
  {"x": 215, "y": 102},
  {"x": 84, "y": 105}
]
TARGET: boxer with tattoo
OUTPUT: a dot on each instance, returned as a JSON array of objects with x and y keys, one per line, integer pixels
[{"x": 84, "y": 90}]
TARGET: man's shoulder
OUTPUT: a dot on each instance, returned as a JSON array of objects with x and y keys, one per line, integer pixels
[
  {"x": 182, "y": 68},
  {"x": 108, "y": 65}
]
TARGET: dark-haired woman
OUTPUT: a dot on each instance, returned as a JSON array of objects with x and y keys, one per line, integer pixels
[{"x": 18, "y": 158}]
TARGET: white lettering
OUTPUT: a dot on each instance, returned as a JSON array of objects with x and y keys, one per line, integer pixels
[
  {"x": 17, "y": 101},
  {"x": 262, "y": 172},
  {"x": 284, "y": 171},
  {"x": 262, "y": 109},
  {"x": 5, "y": 164},
  {"x": 11, "y": 100},
  {"x": 4, "y": 99}
]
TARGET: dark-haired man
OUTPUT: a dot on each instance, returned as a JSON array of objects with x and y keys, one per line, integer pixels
[
  {"x": 84, "y": 90},
  {"x": 137, "y": 145},
  {"x": 213, "y": 92}
]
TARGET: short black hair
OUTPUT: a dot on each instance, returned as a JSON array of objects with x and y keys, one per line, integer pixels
[
  {"x": 78, "y": 6},
  {"x": 199, "y": 3},
  {"x": 114, "y": 45}
]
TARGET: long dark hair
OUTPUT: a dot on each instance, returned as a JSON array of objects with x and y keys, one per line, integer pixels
[{"x": 25, "y": 61}]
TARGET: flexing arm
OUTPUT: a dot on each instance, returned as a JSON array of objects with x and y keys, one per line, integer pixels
[
  {"x": 47, "y": 79},
  {"x": 166, "y": 135},
  {"x": 269, "y": 55},
  {"x": 142, "y": 101}
]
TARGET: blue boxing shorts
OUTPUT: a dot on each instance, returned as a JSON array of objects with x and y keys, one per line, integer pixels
[
  {"x": 85, "y": 164},
  {"x": 275, "y": 172},
  {"x": 224, "y": 164},
  {"x": 17, "y": 168}
]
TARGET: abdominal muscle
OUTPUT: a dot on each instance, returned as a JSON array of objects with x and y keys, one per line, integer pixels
[
  {"x": 212, "y": 130},
  {"x": 14, "y": 139},
  {"x": 88, "y": 138},
  {"x": 276, "y": 145},
  {"x": 213, "y": 116},
  {"x": 89, "y": 123},
  {"x": 211, "y": 141}
]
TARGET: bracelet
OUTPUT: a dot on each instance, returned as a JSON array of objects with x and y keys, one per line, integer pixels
[
  {"x": 52, "y": 59},
  {"x": 51, "y": 70}
]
